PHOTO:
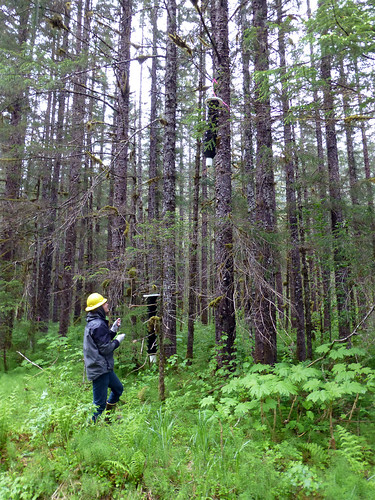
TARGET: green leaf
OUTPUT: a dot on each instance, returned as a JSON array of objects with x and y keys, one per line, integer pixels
[
  {"x": 207, "y": 401},
  {"x": 260, "y": 391},
  {"x": 353, "y": 388},
  {"x": 323, "y": 349},
  {"x": 339, "y": 353},
  {"x": 318, "y": 396},
  {"x": 234, "y": 385},
  {"x": 312, "y": 385},
  {"x": 335, "y": 390},
  {"x": 307, "y": 404},
  {"x": 269, "y": 404},
  {"x": 258, "y": 368},
  {"x": 285, "y": 388},
  {"x": 243, "y": 408},
  {"x": 356, "y": 351},
  {"x": 283, "y": 370},
  {"x": 339, "y": 367},
  {"x": 228, "y": 402},
  {"x": 301, "y": 373}
]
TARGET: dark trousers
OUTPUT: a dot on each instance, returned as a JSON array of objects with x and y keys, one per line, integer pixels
[{"x": 100, "y": 391}]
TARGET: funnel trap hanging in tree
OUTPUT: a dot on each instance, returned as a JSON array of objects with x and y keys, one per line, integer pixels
[
  {"x": 209, "y": 141},
  {"x": 152, "y": 326}
]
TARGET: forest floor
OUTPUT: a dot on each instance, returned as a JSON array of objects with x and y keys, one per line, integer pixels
[{"x": 254, "y": 433}]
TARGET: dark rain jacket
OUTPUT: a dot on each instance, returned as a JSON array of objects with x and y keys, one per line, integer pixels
[{"x": 98, "y": 345}]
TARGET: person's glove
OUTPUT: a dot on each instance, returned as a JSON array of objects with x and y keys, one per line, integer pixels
[
  {"x": 116, "y": 325},
  {"x": 120, "y": 337}
]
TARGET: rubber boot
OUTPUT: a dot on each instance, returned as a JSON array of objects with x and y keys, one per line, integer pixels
[{"x": 109, "y": 409}]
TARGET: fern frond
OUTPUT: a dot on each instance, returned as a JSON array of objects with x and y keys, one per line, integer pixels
[
  {"x": 137, "y": 465},
  {"x": 116, "y": 466},
  {"x": 352, "y": 448},
  {"x": 318, "y": 454}
]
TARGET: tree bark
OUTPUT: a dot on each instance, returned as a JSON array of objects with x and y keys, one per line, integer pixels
[
  {"x": 12, "y": 164},
  {"x": 120, "y": 167},
  {"x": 78, "y": 117},
  {"x": 264, "y": 310},
  {"x": 169, "y": 187},
  {"x": 367, "y": 167},
  {"x": 248, "y": 148},
  {"x": 193, "y": 251},
  {"x": 225, "y": 321},
  {"x": 153, "y": 267},
  {"x": 341, "y": 269}
]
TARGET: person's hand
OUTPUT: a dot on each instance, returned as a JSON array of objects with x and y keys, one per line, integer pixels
[
  {"x": 116, "y": 325},
  {"x": 120, "y": 337}
]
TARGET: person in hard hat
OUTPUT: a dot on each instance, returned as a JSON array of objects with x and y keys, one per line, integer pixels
[{"x": 99, "y": 342}]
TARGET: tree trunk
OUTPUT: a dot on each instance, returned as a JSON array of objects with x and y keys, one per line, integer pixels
[
  {"x": 225, "y": 321},
  {"x": 368, "y": 176},
  {"x": 77, "y": 153},
  {"x": 204, "y": 286},
  {"x": 153, "y": 265},
  {"x": 341, "y": 268},
  {"x": 169, "y": 187},
  {"x": 326, "y": 277},
  {"x": 248, "y": 148},
  {"x": 12, "y": 161},
  {"x": 120, "y": 168},
  {"x": 264, "y": 309},
  {"x": 193, "y": 250}
]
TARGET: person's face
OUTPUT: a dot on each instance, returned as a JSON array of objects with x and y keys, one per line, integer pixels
[{"x": 106, "y": 307}]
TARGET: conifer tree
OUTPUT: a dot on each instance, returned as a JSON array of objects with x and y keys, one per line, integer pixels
[
  {"x": 74, "y": 177},
  {"x": 338, "y": 223},
  {"x": 264, "y": 307},
  {"x": 169, "y": 185},
  {"x": 120, "y": 222},
  {"x": 225, "y": 321},
  {"x": 13, "y": 131}
]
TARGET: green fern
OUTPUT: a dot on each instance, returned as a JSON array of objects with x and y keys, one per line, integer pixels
[
  {"x": 118, "y": 472},
  {"x": 137, "y": 466},
  {"x": 115, "y": 466},
  {"x": 6, "y": 410},
  {"x": 12, "y": 402},
  {"x": 352, "y": 448},
  {"x": 126, "y": 471},
  {"x": 3, "y": 429},
  {"x": 318, "y": 454}
]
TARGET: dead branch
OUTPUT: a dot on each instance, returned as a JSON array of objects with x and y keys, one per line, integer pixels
[{"x": 32, "y": 362}]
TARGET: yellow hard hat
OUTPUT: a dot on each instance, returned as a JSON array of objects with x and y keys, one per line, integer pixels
[{"x": 94, "y": 301}]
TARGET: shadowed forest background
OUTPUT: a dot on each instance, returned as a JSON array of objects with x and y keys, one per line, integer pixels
[{"x": 263, "y": 260}]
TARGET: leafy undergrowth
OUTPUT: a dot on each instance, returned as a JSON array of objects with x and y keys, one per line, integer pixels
[{"x": 260, "y": 432}]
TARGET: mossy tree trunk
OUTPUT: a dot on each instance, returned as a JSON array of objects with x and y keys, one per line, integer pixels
[{"x": 225, "y": 321}]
